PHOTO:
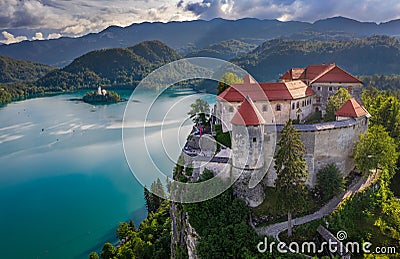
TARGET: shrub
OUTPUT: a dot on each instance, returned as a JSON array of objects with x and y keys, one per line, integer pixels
[{"x": 329, "y": 182}]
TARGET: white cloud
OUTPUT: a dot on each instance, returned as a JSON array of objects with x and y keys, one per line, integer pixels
[
  {"x": 54, "y": 36},
  {"x": 303, "y": 10},
  {"x": 38, "y": 36},
  {"x": 78, "y": 17},
  {"x": 9, "y": 38}
]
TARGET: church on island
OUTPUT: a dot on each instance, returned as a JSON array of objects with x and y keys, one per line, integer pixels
[{"x": 255, "y": 113}]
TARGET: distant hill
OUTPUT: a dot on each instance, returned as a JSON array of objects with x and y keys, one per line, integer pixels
[
  {"x": 111, "y": 67},
  {"x": 188, "y": 36},
  {"x": 12, "y": 70},
  {"x": 225, "y": 50},
  {"x": 365, "y": 56}
]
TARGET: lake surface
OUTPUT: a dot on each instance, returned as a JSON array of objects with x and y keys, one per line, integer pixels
[{"x": 64, "y": 181}]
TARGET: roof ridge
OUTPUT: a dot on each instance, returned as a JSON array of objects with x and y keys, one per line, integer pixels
[{"x": 329, "y": 68}]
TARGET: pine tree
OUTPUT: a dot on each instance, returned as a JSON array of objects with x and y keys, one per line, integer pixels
[
  {"x": 291, "y": 170},
  {"x": 155, "y": 196}
]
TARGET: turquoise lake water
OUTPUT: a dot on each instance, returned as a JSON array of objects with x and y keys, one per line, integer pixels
[{"x": 64, "y": 181}]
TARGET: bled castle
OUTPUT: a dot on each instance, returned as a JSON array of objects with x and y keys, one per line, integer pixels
[{"x": 256, "y": 112}]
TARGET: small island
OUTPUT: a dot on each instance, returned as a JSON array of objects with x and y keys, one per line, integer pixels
[{"x": 102, "y": 97}]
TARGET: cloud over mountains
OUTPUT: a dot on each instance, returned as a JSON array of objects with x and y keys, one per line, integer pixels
[{"x": 77, "y": 17}]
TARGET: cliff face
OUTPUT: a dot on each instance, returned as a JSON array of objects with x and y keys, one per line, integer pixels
[{"x": 184, "y": 236}]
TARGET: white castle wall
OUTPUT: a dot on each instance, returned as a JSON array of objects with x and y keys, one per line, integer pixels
[
  {"x": 248, "y": 143},
  {"x": 325, "y": 143}
]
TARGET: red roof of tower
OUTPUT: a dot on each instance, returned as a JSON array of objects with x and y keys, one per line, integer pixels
[
  {"x": 352, "y": 109},
  {"x": 247, "y": 114}
]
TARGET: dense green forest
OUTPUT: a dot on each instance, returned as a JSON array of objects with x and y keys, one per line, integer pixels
[
  {"x": 111, "y": 67},
  {"x": 13, "y": 70},
  {"x": 382, "y": 82},
  {"x": 225, "y": 50},
  {"x": 363, "y": 56}
]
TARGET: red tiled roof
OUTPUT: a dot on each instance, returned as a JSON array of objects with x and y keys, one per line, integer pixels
[
  {"x": 312, "y": 71},
  {"x": 272, "y": 91},
  {"x": 335, "y": 74},
  {"x": 352, "y": 109},
  {"x": 247, "y": 114},
  {"x": 320, "y": 73}
]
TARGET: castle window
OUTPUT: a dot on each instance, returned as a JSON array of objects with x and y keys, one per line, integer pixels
[
  {"x": 318, "y": 99},
  {"x": 330, "y": 88},
  {"x": 319, "y": 88},
  {"x": 230, "y": 109},
  {"x": 303, "y": 103},
  {"x": 297, "y": 105},
  {"x": 278, "y": 107},
  {"x": 254, "y": 139},
  {"x": 293, "y": 106},
  {"x": 264, "y": 108}
]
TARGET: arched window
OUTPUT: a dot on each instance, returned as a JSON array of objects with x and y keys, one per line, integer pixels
[{"x": 293, "y": 106}]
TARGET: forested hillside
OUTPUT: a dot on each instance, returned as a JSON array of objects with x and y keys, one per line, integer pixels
[
  {"x": 365, "y": 56},
  {"x": 13, "y": 70},
  {"x": 111, "y": 67},
  {"x": 225, "y": 50}
]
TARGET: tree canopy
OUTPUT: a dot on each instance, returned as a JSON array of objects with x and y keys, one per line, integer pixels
[
  {"x": 375, "y": 150},
  {"x": 227, "y": 80},
  {"x": 200, "y": 111},
  {"x": 335, "y": 102}
]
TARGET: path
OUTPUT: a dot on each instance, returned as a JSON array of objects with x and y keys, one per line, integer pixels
[{"x": 275, "y": 229}]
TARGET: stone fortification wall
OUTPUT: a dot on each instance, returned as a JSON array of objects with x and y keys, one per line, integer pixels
[{"x": 330, "y": 142}]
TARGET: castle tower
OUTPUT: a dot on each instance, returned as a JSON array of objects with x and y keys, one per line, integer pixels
[{"x": 248, "y": 137}]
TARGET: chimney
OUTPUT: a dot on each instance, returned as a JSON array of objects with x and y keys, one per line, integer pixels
[{"x": 246, "y": 79}]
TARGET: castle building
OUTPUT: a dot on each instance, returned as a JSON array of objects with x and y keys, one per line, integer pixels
[
  {"x": 276, "y": 101},
  {"x": 325, "y": 80},
  {"x": 249, "y": 110}
]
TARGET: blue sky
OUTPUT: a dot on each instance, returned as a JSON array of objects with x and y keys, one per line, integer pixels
[{"x": 42, "y": 19}]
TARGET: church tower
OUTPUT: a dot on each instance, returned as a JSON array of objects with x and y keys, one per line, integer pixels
[{"x": 248, "y": 137}]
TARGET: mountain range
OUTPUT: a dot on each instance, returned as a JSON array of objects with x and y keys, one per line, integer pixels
[{"x": 188, "y": 36}]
